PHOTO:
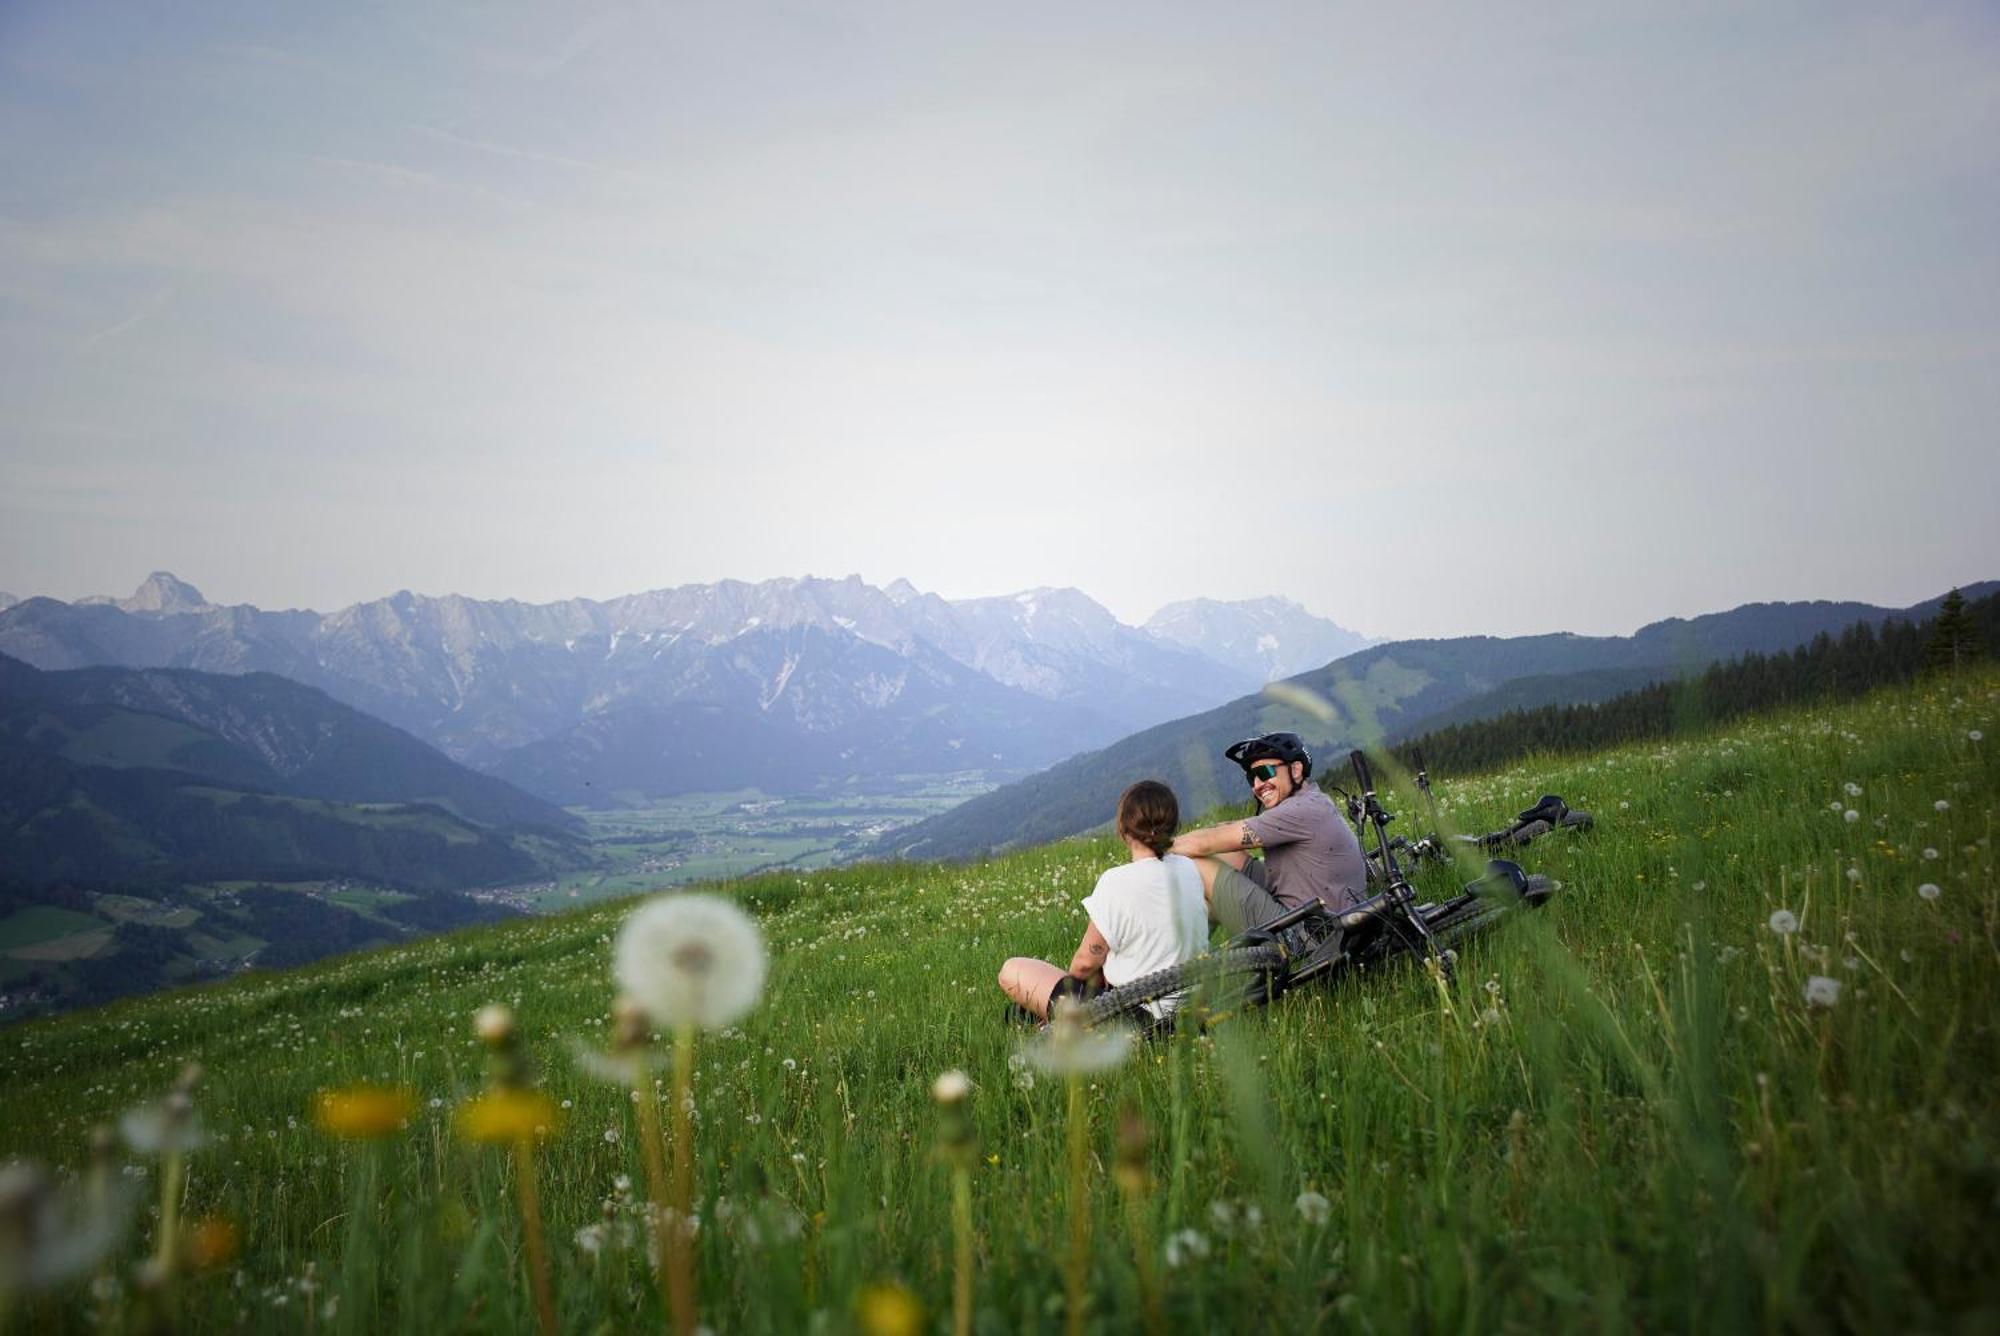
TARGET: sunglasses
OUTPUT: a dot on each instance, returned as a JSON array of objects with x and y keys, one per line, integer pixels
[{"x": 1266, "y": 771}]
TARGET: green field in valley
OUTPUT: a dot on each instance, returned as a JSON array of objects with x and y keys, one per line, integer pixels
[
  {"x": 42, "y": 923},
  {"x": 712, "y": 836},
  {"x": 1740, "y": 1074}
]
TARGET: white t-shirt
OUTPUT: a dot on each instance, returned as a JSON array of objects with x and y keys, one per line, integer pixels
[{"x": 1152, "y": 914}]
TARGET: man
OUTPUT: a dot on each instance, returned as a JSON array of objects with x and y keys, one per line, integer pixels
[{"x": 1309, "y": 852}]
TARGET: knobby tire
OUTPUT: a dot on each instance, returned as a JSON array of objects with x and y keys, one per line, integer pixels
[{"x": 1267, "y": 958}]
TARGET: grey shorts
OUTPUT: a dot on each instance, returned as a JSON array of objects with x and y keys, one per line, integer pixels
[{"x": 1239, "y": 902}]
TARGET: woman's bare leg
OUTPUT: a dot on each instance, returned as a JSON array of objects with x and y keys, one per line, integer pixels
[{"x": 1029, "y": 982}]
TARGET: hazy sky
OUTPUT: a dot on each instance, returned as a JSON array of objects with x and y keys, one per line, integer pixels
[{"x": 1437, "y": 320}]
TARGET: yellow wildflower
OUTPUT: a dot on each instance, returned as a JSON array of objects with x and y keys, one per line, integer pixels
[
  {"x": 506, "y": 1115},
  {"x": 362, "y": 1112},
  {"x": 889, "y": 1310},
  {"x": 211, "y": 1242}
]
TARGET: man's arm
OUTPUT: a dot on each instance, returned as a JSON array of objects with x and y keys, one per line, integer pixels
[
  {"x": 1088, "y": 962},
  {"x": 1231, "y": 837}
]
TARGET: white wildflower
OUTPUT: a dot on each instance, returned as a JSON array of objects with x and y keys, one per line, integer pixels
[
  {"x": 1853, "y": 790},
  {"x": 1184, "y": 1246},
  {"x": 952, "y": 1087},
  {"x": 1784, "y": 922},
  {"x": 1930, "y": 890},
  {"x": 1822, "y": 991},
  {"x": 1942, "y": 805},
  {"x": 1853, "y": 873},
  {"x": 1930, "y": 855},
  {"x": 1975, "y": 735},
  {"x": 1850, "y": 816},
  {"x": 1313, "y": 1208},
  {"x": 690, "y": 960}
]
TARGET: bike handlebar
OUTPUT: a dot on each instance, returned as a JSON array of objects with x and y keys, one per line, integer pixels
[{"x": 1361, "y": 775}]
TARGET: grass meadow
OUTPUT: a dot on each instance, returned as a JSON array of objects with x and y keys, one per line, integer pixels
[{"x": 1741, "y": 1073}]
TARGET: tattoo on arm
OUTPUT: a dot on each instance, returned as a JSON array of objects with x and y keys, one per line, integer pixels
[{"x": 1250, "y": 840}]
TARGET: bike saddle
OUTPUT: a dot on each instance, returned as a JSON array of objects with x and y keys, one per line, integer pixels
[
  {"x": 1507, "y": 873},
  {"x": 1549, "y": 809}
]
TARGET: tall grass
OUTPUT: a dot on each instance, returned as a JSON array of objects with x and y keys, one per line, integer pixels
[{"x": 1627, "y": 1112}]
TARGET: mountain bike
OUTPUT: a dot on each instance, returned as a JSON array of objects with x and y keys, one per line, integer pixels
[{"x": 1315, "y": 944}]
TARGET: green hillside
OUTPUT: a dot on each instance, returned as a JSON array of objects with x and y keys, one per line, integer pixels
[
  {"x": 1627, "y": 1114},
  {"x": 1517, "y": 719},
  {"x": 1387, "y": 691},
  {"x": 127, "y": 798}
]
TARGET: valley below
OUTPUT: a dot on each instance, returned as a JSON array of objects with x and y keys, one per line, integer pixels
[{"x": 698, "y": 837}]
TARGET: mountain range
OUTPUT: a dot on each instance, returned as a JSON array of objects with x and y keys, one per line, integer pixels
[
  {"x": 781, "y": 684},
  {"x": 1381, "y": 693}
]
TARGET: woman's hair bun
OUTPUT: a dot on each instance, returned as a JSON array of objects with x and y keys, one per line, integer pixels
[{"x": 1150, "y": 814}]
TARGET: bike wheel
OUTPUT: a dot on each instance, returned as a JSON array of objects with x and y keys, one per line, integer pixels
[
  {"x": 1474, "y": 917},
  {"x": 1534, "y": 830},
  {"x": 1253, "y": 967}
]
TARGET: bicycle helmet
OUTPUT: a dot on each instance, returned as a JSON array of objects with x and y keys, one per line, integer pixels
[{"x": 1284, "y": 747}]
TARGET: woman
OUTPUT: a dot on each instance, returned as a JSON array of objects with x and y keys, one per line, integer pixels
[{"x": 1143, "y": 916}]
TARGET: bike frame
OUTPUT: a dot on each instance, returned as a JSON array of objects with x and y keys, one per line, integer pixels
[{"x": 1404, "y": 921}]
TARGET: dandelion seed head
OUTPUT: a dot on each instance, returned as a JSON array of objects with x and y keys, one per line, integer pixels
[
  {"x": 1822, "y": 991},
  {"x": 952, "y": 1087},
  {"x": 1313, "y": 1208},
  {"x": 691, "y": 960},
  {"x": 169, "y": 1127},
  {"x": 1850, "y": 816},
  {"x": 1066, "y": 1048},
  {"x": 1930, "y": 890},
  {"x": 1784, "y": 922},
  {"x": 1942, "y": 805},
  {"x": 494, "y": 1024},
  {"x": 49, "y": 1231}
]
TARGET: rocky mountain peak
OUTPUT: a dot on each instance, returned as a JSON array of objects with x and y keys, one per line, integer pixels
[
  {"x": 163, "y": 592},
  {"x": 1272, "y": 637}
]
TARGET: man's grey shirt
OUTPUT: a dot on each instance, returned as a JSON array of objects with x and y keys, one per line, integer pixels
[{"x": 1308, "y": 851}]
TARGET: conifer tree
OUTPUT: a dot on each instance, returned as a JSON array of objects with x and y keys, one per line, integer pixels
[{"x": 1954, "y": 640}]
